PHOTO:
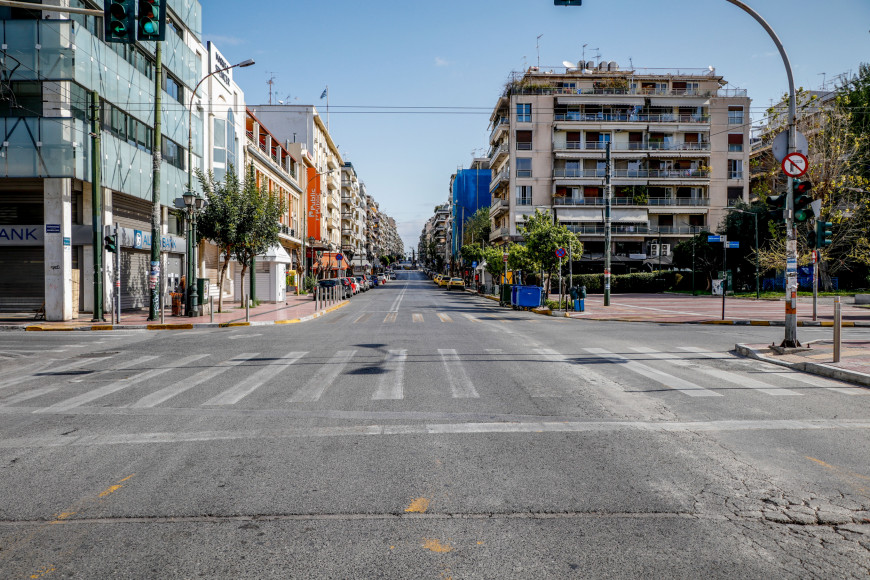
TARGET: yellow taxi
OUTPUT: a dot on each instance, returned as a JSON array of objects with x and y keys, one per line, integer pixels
[
  {"x": 455, "y": 283},
  {"x": 443, "y": 280},
  {"x": 436, "y": 278}
]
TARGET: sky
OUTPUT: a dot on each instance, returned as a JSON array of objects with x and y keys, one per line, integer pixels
[{"x": 412, "y": 84}]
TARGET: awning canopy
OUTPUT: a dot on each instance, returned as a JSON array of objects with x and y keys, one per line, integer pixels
[{"x": 638, "y": 216}]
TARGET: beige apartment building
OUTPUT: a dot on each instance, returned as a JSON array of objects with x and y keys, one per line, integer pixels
[{"x": 679, "y": 148}]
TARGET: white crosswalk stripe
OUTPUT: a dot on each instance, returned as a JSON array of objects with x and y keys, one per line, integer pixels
[
  {"x": 586, "y": 377},
  {"x": 32, "y": 370},
  {"x": 188, "y": 383},
  {"x": 26, "y": 396},
  {"x": 444, "y": 317},
  {"x": 391, "y": 384},
  {"x": 718, "y": 374},
  {"x": 417, "y": 317},
  {"x": 100, "y": 392},
  {"x": 255, "y": 381},
  {"x": 770, "y": 369},
  {"x": 668, "y": 380},
  {"x": 390, "y": 318},
  {"x": 363, "y": 317},
  {"x": 323, "y": 378},
  {"x": 460, "y": 385}
]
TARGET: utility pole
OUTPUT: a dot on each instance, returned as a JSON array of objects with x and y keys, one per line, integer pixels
[
  {"x": 607, "y": 220},
  {"x": 154, "y": 277},
  {"x": 97, "y": 207}
]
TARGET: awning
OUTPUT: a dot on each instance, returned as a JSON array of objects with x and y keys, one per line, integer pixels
[
  {"x": 276, "y": 254},
  {"x": 327, "y": 262},
  {"x": 683, "y": 102},
  {"x": 630, "y": 215},
  {"x": 600, "y": 100}
]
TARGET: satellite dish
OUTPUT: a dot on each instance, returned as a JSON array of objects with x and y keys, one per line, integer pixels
[{"x": 568, "y": 64}]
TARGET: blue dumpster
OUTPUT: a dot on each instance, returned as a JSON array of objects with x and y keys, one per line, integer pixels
[
  {"x": 514, "y": 291},
  {"x": 529, "y": 296}
]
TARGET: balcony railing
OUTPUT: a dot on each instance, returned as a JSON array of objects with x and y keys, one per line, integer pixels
[
  {"x": 631, "y": 230},
  {"x": 524, "y": 201},
  {"x": 735, "y": 175},
  {"x": 498, "y": 205},
  {"x": 499, "y": 233},
  {"x": 539, "y": 90},
  {"x": 496, "y": 152},
  {"x": 503, "y": 176},
  {"x": 634, "y": 173},
  {"x": 652, "y": 201},
  {"x": 649, "y": 146},
  {"x": 631, "y": 118},
  {"x": 501, "y": 123}
]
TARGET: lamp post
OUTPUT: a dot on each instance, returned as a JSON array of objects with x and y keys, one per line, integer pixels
[
  {"x": 192, "y": 201},
  {"x": 754, "y": 215}
]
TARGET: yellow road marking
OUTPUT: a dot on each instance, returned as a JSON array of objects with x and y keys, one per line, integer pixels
[
  {"x": 432, "y": 544},
  {"x": 419, "y": 505},
  {"x": 391, "y": 317},
  {"x": 42, "y": 572},
  {"x": 444, "y": 317},
  {"x": 417, "y": 317}
]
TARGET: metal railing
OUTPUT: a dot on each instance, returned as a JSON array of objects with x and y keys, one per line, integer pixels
[
  {"x": 498, "y": 233},
  {"x": 634, "y": 173},
  {"x": 501, "y": 123},
  {"x": 652, "y": 201},
  {"x": 524, "y": 201},
  {"x": 632, "y": 146},
  {"x": 498, "y": 204},
  {"x": 631, "y": 230},
  {"x": 502, "y": 177},
  {"x": 735, "y": 175},
  {"x": 631, "y": 118}
]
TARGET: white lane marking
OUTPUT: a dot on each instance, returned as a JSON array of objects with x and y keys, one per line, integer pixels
[
  {"x": 183, "y": 385},
  {"x": 770, "y": 369},
  {"x": 586, "y": 375},
  {"x": 670, "y": 381},
  {"x": 494, "y": 351},
  {"x": 719, "y": 374},
  {"x": 706, "y": 353},
  {"x": 417, "y": 317},
  {"x": 471, "y": 318},
  {"x": 461, "y": 386},
  {"x": 323, "y": 378},
  {"x": 235, "y": 394},
  {"x": 391, "y": 385},
  {"x": 33, "y": 370},
  {"x": 390, "y": 318},
  {"x": 533, "y": 428},
  {"x": 444, "y": 317},
  {"x": 243, "y": 336},
  {"x": 27, "y": 395},
  {"x": 100, "y": 392},
  {"x": 398, "y": 300}
]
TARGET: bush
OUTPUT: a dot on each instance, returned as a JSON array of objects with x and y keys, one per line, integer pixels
[
  {"x": 309, "y": 283},
  {"x": 636, "y": 282}
]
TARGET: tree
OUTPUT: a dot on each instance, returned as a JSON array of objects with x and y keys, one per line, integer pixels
[
  {"x": 477, "y": 227},
  {"x": 221, "y": 219},
  {"x": 543, "y": 238},
  {"x": 698, "y": 253},
  {"x": 259, "y": 225},
  {"x": 740, "y": 226}
]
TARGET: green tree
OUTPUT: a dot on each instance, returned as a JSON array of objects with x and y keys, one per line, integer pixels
[
  {"x": 698, "y": 253},
  {"x": 477, "y": 227},
  {"x": 221, "y": 219},
  {"x": 740, "y": 226},
  {"x": 543, "y": 238},
  {"x": 471, "y": 253},
  {"x": 259, "y": 225}
]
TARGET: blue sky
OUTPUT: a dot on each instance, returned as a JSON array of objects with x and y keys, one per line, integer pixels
[{"x": 457, "y": 55}]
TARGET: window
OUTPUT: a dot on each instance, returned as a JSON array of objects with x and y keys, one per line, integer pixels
[
  {"x": 735, "y": 143},
  {"x": 524, "y": 195},
  {"x": 735, "y": 169},
  {"x": 524, "y": 167},
  {"x": 524, "y": 112},
  {"x": 225, "y": 145},
  {"x": 735, "y": 194},
  {"x": 173, "y": 88},
  {"x": 735, "y": 115},
  {"x": 524, "y": 140},
  {"x": 21, "y": 99}
]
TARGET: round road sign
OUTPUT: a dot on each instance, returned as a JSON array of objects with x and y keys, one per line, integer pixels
[
  {"x": 795, "y": 164},
  {"x": 339, "y": 257},
  {"x": 560, "y": 252}
]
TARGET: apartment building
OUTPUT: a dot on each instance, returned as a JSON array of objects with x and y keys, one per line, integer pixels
[
  {"x": 373, "y": 231},
  {"x": 302, "y": 124},
  {"x": 442, "y": 231},
  {"x": 679, "y": 145},
  {"x": 52, "y": 63},
  {"x": 353, "y": 219}
]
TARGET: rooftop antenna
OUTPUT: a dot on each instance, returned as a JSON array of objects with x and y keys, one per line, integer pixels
[
  {"x": 271, "y": 83},
  {"x": 631, "y": 63},
  {"x": 824, "y": 84},
  {"x": 597, "y": 56},
  {"x": 538, "y": 47},
  {"x": 584, "y": 54}
]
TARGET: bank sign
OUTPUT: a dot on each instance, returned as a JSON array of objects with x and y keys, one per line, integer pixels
[{"x": 21, "y": 235}]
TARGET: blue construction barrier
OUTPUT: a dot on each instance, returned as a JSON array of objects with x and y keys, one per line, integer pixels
[{"x": 804, "y": 283}]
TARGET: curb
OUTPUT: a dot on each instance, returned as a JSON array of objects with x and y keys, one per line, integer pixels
[
  {"x": 187, "y": 326},
  {"x": 812, "y": 368}
]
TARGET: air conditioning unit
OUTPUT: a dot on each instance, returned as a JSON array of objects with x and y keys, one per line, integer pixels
[{"x": 654, "y": 250}]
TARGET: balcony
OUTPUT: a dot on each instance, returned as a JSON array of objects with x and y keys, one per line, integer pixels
[
  {"x": 630, "y": 118},
  {"x": 652, "y": 201},
  {"x": 498, "y": 233},
  {"x": 500, "y": 125},
  {"x": 498, "y": 207},
  {"x": 503, "y": 178},
  {"x": 633, "y": 230},
  {"x": 332, "y": 181},
  {"x": 498, "y": 153},
  {"x": 332, "y": 201},
  {"x": 288, "y": 233}
]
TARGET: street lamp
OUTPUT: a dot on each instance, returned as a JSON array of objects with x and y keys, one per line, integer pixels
[
  {"x": 754, "y": 215},
  {"x": 192, "y": 201},
  {"x": 193, "y": 204}
]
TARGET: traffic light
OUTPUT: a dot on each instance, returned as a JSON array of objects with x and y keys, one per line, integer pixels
[
  {"x": 776, "y": 208},
  {"x": 823, "y": 234},
  {"x": 152, "y": 20},
  {"x": 567, "y": 2},
  {"x": 110, "y": 244},
  {"x": 118, "y": 19},
  {"x": 802, "y": 199}
]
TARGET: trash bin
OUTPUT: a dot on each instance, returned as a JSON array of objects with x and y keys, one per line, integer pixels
[
  {"x": 505, "y": 294},
  {"x": 514, "y": 290},
  {"x": 578, "y": 295},
  {"x": 529, "y": 296}
]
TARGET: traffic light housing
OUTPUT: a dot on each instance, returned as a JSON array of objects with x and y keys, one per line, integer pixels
[
  {"x": 119, "y": 21},
  {"x": 151, "y": 20},
  {"x": 776, "y": 208},
  {"x": 111, "y": 245},
  {"x": 823, "y": 234},
  {"x": 567, "y": 2},
  {"x": 802, "y": 199}
]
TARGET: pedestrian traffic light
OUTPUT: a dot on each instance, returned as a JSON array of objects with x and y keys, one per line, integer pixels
[
  {"x": 118, "y": 19},
  {"x": 823, "y": 234},
  {"x": 152, "y": 20},
  {"x": 802, "y": 199},
  {"x": 110, "y": 244},
  {"x": 776, "y": 208},
  {"x": 567, "y": 2}
]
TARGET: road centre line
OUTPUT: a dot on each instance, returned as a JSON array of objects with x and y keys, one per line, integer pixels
[
  {"x": 398, "y": 300},
  {"x": 493, "y": 428}
]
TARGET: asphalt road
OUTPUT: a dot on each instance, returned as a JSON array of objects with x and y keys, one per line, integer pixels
[{"x": 420, "y": 433}]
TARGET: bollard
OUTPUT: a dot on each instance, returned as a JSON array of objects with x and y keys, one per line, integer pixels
[
  {"x": 247, "y": 309},
  {"x": 838, "y": 324},
  {"x": 161, "y": 305},
  {"x": 211, "y": 308}
]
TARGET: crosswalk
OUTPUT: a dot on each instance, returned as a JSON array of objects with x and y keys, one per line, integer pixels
[
  {"x": 424, "y": 317},
  {"x": 295, "y": 379}
]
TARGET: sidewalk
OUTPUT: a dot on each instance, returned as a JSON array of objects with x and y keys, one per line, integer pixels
[
  {"x": 295, "y": 309},
  {"x": 817, "y": 359}
]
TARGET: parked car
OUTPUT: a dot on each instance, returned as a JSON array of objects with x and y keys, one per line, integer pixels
[
  {"x": 348, "y": 288},
  {"x": 363, "y": 282},
  {"x": 330, "y": 283},
  {"x": 354, "y": 287},
  {"x": 392, "y": 275},
  {"x": 456, "y": 283},
  {"x": 443, "y": 280},
  {"x": 374, "y": 280}
]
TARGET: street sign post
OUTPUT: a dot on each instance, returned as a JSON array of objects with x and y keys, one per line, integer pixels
[
  {"x": 560, "y": 253},
  {"x": 795, "y": 164},
  {"x": 711, "y": 239},
  {"x": 732, "y": 244},
  {"x": 339, "y": 257}
]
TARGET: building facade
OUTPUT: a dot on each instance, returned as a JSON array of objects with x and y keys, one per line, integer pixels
[
  {"x": 469, "y": 191},
  {"x": 679, "y": 146}
]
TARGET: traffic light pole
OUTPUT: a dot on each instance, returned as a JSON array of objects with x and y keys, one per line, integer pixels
[
  {"x": 790, "y": 339},
  {"x": 97, "y": 206},
  {"x": 607, "y": 221},
  {"x": 154, "y": 276}
]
